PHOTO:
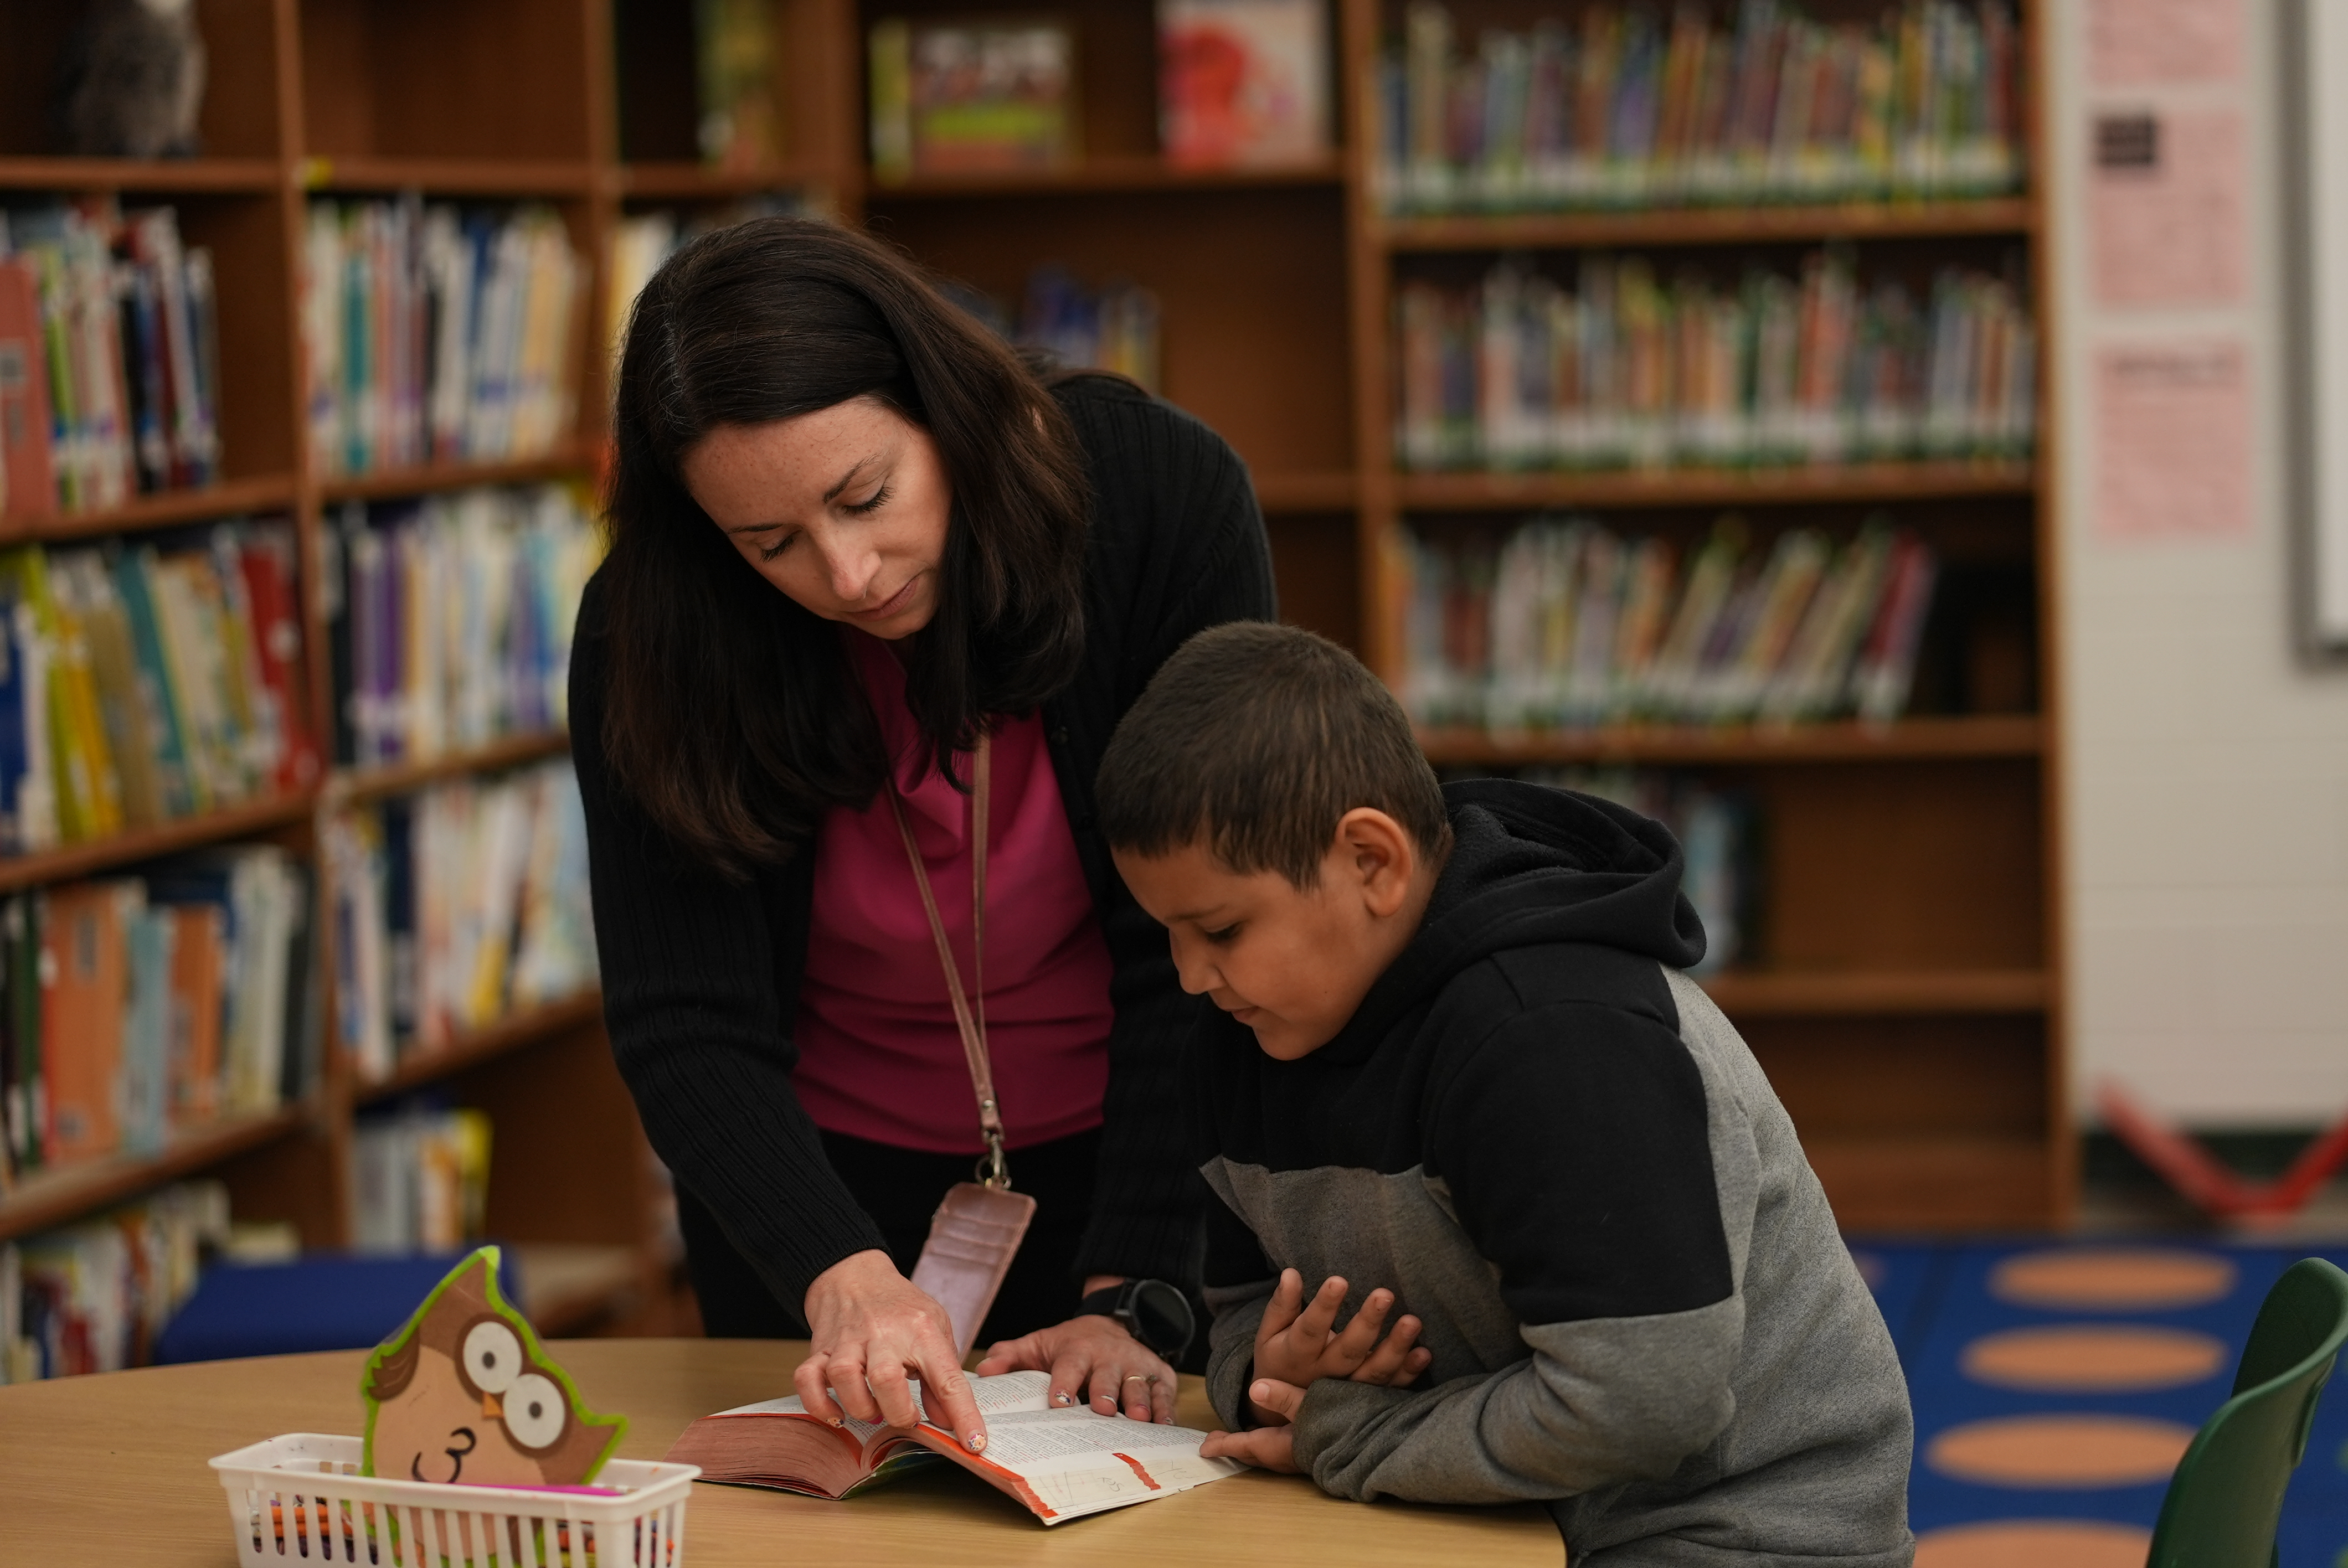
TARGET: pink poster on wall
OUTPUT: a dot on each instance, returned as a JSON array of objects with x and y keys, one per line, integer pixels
[
  {"x": 2173, "y": 441},
  {"x": 2151, "y": 43},
  {"x": 2168, "y": 225}
]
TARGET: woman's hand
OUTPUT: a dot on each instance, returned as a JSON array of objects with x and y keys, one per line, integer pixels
[
  {"x": 874, "y": 1330},
  {"x": 1267, "y": 1447},
  {"x": 1093, "y": 1353}
]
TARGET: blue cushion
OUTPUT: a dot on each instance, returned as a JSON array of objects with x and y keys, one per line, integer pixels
[{"x": 327, "y": 1301}]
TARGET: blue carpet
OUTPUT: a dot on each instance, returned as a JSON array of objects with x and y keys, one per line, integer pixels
[{"x": 1937, "y": 1299}]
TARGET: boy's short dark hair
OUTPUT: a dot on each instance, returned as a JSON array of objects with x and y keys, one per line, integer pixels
[{"x": 1253, "y": 740}]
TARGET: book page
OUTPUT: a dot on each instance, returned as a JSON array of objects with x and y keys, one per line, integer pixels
[{"x": 1066, "y": 1463}]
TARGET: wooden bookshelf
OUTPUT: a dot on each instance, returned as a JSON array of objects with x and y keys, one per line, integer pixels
[
  {"x": 1907, "y": 998},
  {"x": 353, "y": 785}
]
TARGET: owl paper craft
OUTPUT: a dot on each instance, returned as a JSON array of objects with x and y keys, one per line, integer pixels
[{"x": 465, "y": 1392}]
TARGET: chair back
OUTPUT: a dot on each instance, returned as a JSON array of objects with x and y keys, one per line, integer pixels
[{"x": 2225, "y": 1498}]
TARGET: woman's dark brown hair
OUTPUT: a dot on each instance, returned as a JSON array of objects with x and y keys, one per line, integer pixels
[{"x": 730, "y": 714}]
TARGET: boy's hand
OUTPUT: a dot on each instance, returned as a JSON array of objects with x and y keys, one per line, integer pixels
[
  {"x": 1267, "y": 1447},
  {"x": 1295, "y": 1346}
]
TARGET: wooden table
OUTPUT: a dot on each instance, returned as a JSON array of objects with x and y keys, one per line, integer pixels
[{"x": 119, "y": 1462}]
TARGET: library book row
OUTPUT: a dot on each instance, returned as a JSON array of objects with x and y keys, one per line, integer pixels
[
  {"x": 1637, "y": 105},
  {"x": 148, "y": 679},
  {"x": 138, "y": 1008},
  {"x": 1563, "y": 624},
  {"x": 96, "y": 1296},
  {"x": 1621, "y": 367}
]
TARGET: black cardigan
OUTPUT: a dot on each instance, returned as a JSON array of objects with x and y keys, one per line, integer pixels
[{"x": 701, "y": 976}]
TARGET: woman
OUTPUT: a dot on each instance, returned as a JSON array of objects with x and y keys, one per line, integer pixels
[{"x": 851, "y": 535}]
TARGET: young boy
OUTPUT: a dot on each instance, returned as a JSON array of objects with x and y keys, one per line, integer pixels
[{"x": 1458, "y": 1059}]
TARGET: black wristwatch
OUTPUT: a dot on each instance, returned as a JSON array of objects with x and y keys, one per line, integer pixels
[{"x": 1152, "y": 1311}]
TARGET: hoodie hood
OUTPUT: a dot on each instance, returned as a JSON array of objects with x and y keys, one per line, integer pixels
[{"x": 1530, "y": 866}]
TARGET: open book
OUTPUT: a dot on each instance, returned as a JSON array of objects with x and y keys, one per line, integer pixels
[{"x": 1062, "y": 1463}]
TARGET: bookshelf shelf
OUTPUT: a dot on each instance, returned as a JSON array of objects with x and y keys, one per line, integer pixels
[
  {"x": 699, "y": 183},
  {"x": 431, "y": 478},
  {"x": 1756, "y": 993},
  {"x": 510, "y": 1033},
  {"x": 164, "y": 509},
  {"x": 48, "y": 1197},
  {"x": 518, "y": 178},
  {"x": 1933, "y": 1182},
  {"x": 1792, "y": 485},
  {"x": 1106, "y": 174},
  {"x": 193, "y": 175},
  {"x": 1921, "y": 739},
  {"x": 1709, "y": 226},
  {"x": 353, "y": 785},
  {"x": 73, "y": 860}
]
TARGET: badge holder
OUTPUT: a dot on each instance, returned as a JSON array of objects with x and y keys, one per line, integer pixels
[{"x": 977, "y": 1229}]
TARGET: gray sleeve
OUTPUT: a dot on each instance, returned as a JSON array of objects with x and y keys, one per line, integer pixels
[
  {"x": 1230, "y": 1339},
  {"x": 1599, "y": 1402}
]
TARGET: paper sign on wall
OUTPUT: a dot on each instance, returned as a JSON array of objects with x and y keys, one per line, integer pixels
[
  {"x": 2147, "y": 43},
  {"x": 2173, "y": 441},
  {"x": 2170, "y": 228}
]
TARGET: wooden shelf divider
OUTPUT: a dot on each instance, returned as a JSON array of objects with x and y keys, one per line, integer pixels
[
  {"x": 679, "y": 181},
  {"x": 73, "y": 860},
  {"x": 1107, "y": 174},
  {"x": 1765, "y": 993},
  {"x": 511, "y": 1032},
  {"x": 521, "y": 179},
  {"x": 435, "y": 477},
  {"x": 51, "y": 1197},
  {"x": 1791, "y": 483},
  {"x": 162, "y": 510},
  {"x": 1708, "y": 225},
  {"x": 162, "y": 176},
  {"x": 1332, "y": 491},
  {"x": 1842, "y": 741},
  {"x": 352, "y": 786}
]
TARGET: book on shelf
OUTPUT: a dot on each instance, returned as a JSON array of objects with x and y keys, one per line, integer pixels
[
  {"x": 145, "y": 682},
  {"x": 1060, "y": 1463},
  {"x": 740, "y": 128},
  {"x": 141, "y": 1007},
  {"x": 438, "y": 335},
  {"x": 450, "y": 618},
  {"x": 419, "y": 1180},
  {"x": 1115, "y": 327},
  {"x": 110, "y": 361},
  {"x": 1242, "y": 83},
  {"x": 1619, "y": 367},
  {"x": 1718, "y": 829},
  {"x": 94, "y": 1297},
  {"x": 1564, "y": 624},
  {"x": 455, "y": 906},
  {"x": 975, "y": 97},
  {"x": 1644, "y": 106}
]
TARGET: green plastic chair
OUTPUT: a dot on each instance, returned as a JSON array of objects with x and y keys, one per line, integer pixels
[{"x": 2225, "y": 1498}]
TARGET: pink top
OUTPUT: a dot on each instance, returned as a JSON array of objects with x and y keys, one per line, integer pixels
[{"x": 878, "y": 1054}]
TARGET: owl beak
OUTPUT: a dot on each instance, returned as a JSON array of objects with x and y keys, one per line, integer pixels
[{"x": 493, "y": 1408}]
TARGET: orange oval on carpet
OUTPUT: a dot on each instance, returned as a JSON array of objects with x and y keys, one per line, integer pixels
[
  {"x": 2112, "y": 1279},
  {"x": 2093, "y": 1357},
  {"x": 2060, "y": 1451},
  {"x": 2038, "y": 1542}
]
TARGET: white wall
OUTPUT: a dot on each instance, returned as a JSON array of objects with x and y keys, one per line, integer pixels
[{"x": 2206, "y": 768}]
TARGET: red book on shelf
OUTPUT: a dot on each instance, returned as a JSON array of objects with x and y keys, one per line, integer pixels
[
  {"x": 198, "y": 962},
  {"x": 85, "y": 993},
  {"x": 31, "y": 487},
  {"x": 268, "y": 561}
]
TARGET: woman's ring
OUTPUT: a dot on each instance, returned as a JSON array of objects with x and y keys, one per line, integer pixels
[{"x": 1137, "y": 1378}]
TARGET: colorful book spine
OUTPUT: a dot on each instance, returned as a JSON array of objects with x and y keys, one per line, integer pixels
[
  {"x": 1619, "y": 369},
  {"x": 452, "y": 619},
  {"x": 434, "y": 336},
  {"x": 93, "y": 1297},
  {"x": 1719, "y": 832},
  {"x": 1625, "y": 108},
  {"x": 455, "y": 906},
  {"x": 1566, "y": 625}
]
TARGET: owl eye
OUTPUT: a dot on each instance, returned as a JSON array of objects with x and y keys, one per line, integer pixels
[
  {"x": 492, "y": 1357},
  {"x": 535, "y": 1411}
]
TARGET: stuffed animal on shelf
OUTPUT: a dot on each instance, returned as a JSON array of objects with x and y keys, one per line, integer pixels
[
  {"x": 131, "y": 81},
  {"x": 465, "y": 1392}
]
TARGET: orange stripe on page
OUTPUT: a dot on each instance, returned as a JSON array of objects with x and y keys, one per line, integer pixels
[{"x": 1147, "y": 1478}]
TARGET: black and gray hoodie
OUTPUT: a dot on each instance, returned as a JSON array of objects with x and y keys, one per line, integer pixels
[{"x": 1555, "y": 1151}]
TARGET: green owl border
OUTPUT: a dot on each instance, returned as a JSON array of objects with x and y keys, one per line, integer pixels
[{"x": 489, "y": 1257}]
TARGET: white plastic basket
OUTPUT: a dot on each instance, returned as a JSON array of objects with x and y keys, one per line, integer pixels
[{"x": 300, "y": 1498}]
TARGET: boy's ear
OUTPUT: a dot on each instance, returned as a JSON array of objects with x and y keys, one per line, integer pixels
[{"x": 1380, "y": 857}]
